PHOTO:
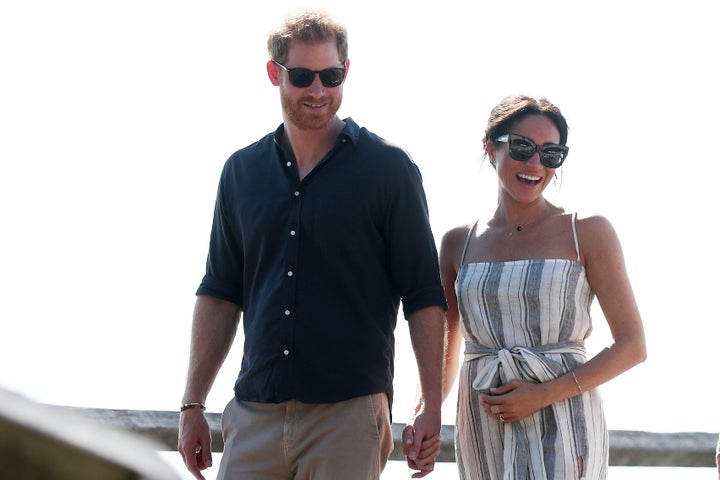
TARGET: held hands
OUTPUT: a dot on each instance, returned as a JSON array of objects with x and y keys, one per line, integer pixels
[
  {"x": 421, "y": 442},
  {"x": 514, "y": 400},
  {"x": 194, "y": 442}
]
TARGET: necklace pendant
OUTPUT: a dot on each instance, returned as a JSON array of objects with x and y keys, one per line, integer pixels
[{"x": 510, "y": 233}]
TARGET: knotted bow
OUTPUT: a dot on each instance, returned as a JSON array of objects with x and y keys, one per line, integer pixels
[{"x": 526, "y": 363}]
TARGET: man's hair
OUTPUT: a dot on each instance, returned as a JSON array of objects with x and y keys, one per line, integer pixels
[{"x": 309, "y": 26}]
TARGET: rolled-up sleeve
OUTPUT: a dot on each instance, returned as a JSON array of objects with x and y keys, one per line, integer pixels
[
  {"x": 413, "y": 253},
  {"x": 224, "y": 267}
]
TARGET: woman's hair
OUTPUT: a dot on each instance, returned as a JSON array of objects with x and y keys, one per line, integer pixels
[
  {"x": 514, "y": 108},
  {"x": 307, "y": 26}
]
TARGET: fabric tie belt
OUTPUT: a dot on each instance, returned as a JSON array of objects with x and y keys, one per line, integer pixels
[{"x": 527, "y": 363}]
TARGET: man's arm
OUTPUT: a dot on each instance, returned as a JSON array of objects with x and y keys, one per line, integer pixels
[
  {"x": 427, "y": 333},
  {"x": 214, "y": 326}
]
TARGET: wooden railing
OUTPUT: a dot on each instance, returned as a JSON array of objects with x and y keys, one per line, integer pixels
[
  {"x": 41, "y": 442},
  {"x": 627, "y": 448}
]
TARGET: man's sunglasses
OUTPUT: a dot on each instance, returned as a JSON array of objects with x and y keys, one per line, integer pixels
[
  {"x": 522, "y": 148},
  {"x": 303, "y": 77}
]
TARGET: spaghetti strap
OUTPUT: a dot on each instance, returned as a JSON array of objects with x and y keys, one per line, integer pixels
[
  {"x": 467, "y": 242},
  {"x": 575, "y": 237}
]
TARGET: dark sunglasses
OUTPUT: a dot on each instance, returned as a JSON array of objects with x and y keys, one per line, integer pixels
[
  {"x": 303, "y": 77},
  {"x": 522, "y": 148}
]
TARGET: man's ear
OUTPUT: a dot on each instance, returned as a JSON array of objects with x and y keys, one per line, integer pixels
[{"x": 273, "y": 72}]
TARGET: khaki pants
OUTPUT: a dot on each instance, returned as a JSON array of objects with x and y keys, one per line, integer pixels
[{"x": 349, "y": 440}]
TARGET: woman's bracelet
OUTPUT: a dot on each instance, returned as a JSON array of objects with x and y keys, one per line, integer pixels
[
  {"x": 189, "y": 405},
  {"x": 572, "y": 372}
]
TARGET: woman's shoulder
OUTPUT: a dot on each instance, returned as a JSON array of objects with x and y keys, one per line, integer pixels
[
  {"x": 458, "y": 233},
  {"x": 592, "y": 222},
  {"x": 453, "y": 241},
  {"x": 595, "y": 231}
]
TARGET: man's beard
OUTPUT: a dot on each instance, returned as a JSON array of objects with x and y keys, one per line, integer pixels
[{"x": 303, "y": 119}]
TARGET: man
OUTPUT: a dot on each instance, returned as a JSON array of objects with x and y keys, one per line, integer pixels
[{"x": 320, "y": 229}]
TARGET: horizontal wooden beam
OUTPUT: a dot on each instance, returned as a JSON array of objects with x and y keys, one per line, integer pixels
[{"x": 627, "y": 448}]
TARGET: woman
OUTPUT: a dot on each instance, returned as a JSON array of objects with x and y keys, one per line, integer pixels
[{"x": 519, "y": 288}]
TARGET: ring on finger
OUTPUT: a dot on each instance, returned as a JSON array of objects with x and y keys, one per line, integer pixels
[{"x": 502, "y": 418}]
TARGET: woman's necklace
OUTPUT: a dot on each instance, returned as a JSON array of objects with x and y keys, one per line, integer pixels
[
  {"x": 531, "y": 222},
  {"x": 519, "y": 228}
]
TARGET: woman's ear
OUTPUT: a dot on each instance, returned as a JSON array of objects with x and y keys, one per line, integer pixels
[
  {"x": 490, "y": 151},
  {"x": 273, "y": 73}
]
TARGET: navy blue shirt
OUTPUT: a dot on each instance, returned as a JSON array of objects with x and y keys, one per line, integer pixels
[{"x": 319, "y": 266}]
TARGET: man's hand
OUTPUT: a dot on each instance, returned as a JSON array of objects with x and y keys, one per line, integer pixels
[
  {"x": 194, "y": 442},
  {"x": 421, "y": 443}
]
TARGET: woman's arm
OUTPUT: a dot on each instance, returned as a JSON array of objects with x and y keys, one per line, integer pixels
[
  {"x": 605, "y": 266},
  {"x": 450, "y": 253}
]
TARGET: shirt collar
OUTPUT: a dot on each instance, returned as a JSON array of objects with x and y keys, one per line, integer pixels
[{"x": 351, "y": 131}]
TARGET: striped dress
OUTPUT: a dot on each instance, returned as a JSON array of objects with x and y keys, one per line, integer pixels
[{"x": 526, "y": 319}]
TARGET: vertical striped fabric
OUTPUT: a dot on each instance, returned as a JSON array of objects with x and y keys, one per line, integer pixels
[{"x": 526, "y": 319}]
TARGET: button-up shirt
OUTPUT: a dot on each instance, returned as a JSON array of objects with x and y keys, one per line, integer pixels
[{"x": 319, "y": 266}]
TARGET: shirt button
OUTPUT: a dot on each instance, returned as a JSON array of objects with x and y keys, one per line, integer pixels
[
  {"x": 286, "y": 352},
  {"x": 292, "y": 232},
  {"x": 287, "y": 313},
  {"x": 289, "y": 164},
  {"x": 297, "y": 194},
  {"x": 290, "y": 273}
]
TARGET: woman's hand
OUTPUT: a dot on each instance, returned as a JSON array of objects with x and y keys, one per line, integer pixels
[
  {"x": 514, "y": 400},
  {"x": 424, "y": 460}
]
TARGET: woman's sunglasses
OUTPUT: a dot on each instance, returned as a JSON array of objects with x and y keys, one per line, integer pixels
[
  {"x": 303, "y": 77},
  {"x": 522, "y": 148}
]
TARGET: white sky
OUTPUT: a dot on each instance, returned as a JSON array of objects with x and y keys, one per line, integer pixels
[{"x": 116, "y": 118}]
